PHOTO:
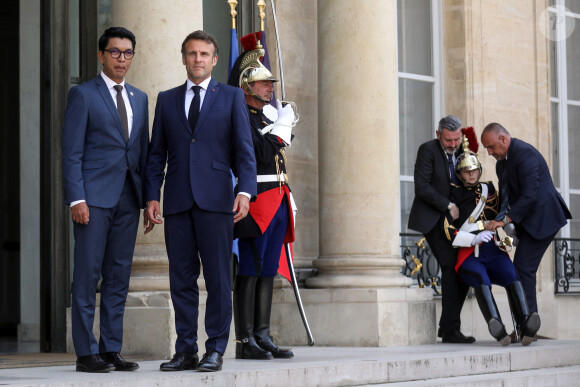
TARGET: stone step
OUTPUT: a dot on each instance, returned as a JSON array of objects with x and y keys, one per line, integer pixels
[
  {"x": 553, "y": 377},
  {"x": 479, "y": 364}
]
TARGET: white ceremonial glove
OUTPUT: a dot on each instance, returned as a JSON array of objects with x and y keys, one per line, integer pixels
[
  {"x": 283, "y": 125},
  {"x": 484, "y": 236},
  {"x": 285, "y": 114}
]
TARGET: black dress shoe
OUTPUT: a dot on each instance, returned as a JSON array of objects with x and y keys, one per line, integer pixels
[
  {"x": 93, "y": 363},
  {"x": 211, "y": 362},
  {"x": 456, "y": 337},
  {"x": 118, "y": 361},
  {"x": 181, "y": 361}
]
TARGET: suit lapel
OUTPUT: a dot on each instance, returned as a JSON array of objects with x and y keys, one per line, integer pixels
[
  {"x": 134, "y": 128},
  {"x": 106, "y": 95},
  {"x": 180, "y": 103},
  {"x": 444, "y": 159},
  {"x": 210, "y": 96}
]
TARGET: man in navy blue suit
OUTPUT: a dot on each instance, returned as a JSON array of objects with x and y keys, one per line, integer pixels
[
  {"x": 201, "y": 130},
  {"x": 104, "y": 150},
  {"x": 528, "y": 199}
]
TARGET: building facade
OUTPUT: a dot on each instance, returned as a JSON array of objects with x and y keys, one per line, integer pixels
[{"x": 370, "y": 79}]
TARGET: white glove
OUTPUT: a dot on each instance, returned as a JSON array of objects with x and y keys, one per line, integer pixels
[
  {"x": 484, "y": 236},
  {"x": 285, "y": 114},
  {"x": 283, "y": 125}
]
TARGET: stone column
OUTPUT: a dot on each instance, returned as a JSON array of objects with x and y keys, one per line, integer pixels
[
  {"x": 358, "y": 153},
  {"x": 361, "y": 298}
]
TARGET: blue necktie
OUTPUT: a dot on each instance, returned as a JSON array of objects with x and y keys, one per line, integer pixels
[
  {"x": 194, "y": 108},
  {"x": 452, "y": 176}
]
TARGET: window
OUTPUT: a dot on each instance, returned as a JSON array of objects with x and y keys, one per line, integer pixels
[
  {"x": 564, "y": 35},
  {"x": 419, "y": 42}
]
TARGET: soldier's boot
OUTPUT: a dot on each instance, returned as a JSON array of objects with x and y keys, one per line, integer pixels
[
  {"x": 491, "y": 315},
  {"x": 243, "y": 301},
  {"x": 263, "y": 309},
  {"x": 528, "y": 323}
]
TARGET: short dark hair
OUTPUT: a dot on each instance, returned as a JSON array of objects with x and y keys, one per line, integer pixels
[
  {"x": 495, "y": 128},
  {"x": 115, "y": 32},
  {"x": 201, "y": 35}
]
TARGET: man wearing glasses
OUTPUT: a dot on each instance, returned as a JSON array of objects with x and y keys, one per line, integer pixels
[{"x": 104, "y": 149}]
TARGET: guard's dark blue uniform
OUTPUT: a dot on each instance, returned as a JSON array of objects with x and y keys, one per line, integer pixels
[
  {"x": 493, "y": 265},
  {"x": 269, "y": 223}
]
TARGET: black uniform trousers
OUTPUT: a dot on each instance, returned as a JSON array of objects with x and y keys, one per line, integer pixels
[{"x": 453, "y": 289}]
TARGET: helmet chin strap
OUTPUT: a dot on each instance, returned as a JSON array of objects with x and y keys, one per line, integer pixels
[{"x": 251, "y": 92}]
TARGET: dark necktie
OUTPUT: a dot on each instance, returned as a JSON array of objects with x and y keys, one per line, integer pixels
[
  {"x": 503, "y": 192},
  {"x": 194, "y": 107},
  {"x": 452, "y": 176},
  {"x": 122, "y": 110}
]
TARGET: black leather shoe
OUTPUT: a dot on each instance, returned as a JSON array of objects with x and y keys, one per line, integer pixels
[
  {"x": 118, "y": 361},
  {"x": 93, "y": 363},
  {"x": 181, "y": 361},
  {"x": 456, "y": 337},
  {"x": 211, "y": 362}
]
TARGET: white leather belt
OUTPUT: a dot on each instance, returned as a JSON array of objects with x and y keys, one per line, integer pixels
[{"x": 272, "y": 178}]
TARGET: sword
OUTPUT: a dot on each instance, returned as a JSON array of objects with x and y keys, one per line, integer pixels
[{"x": 297, "y": 294}]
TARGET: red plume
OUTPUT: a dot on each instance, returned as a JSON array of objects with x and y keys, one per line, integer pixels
[
  {"x": 469, "y": 132},
  {"x": 249, "y": 41}
]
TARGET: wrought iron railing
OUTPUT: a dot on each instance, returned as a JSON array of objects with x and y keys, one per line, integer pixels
[
  {"x": 420, "y": 263},
  {"x": 567, "y": 266}
]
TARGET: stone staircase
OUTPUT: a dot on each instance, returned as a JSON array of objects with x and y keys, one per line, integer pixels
[{"x": 544, "y": 363}]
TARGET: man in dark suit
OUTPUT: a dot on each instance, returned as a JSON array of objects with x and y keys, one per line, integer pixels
[
  {"x": 200, "y": 130},
  {"x": 104, "y": 149},
  {"x": 434, "y": 172},
  {"x": 529, "y": 200}
]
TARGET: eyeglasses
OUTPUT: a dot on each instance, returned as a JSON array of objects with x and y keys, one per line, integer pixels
[{"x": 116, "y": 54}]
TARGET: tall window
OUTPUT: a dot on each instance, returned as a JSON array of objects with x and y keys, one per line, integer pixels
[
  {"x": 420, "y": 102},
  {"x": 564, "y": 34}
]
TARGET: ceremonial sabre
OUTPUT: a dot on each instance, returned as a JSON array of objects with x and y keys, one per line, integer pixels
[{"x": 286, "y": 245}]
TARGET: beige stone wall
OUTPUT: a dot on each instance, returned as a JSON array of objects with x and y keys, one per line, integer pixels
[{"x": 496, "y": 69}]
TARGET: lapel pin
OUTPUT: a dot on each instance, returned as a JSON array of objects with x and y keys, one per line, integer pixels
[
  {"x": 131, "y": 93},
  {"x": 212, "y": 89}
]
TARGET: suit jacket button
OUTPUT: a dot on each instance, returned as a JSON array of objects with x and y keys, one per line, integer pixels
[{"x": 193, "y": 140}]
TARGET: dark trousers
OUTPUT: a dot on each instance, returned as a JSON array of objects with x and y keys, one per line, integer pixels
[
  {"x": 527, "y": 259},
  {"x": 260, "y": 257},
  {"x": 491, "y": 266},
  {"x": 190, "y": 236},
  {"x": 103, "y": 248},
  {"x": 453, "y": 289}
]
